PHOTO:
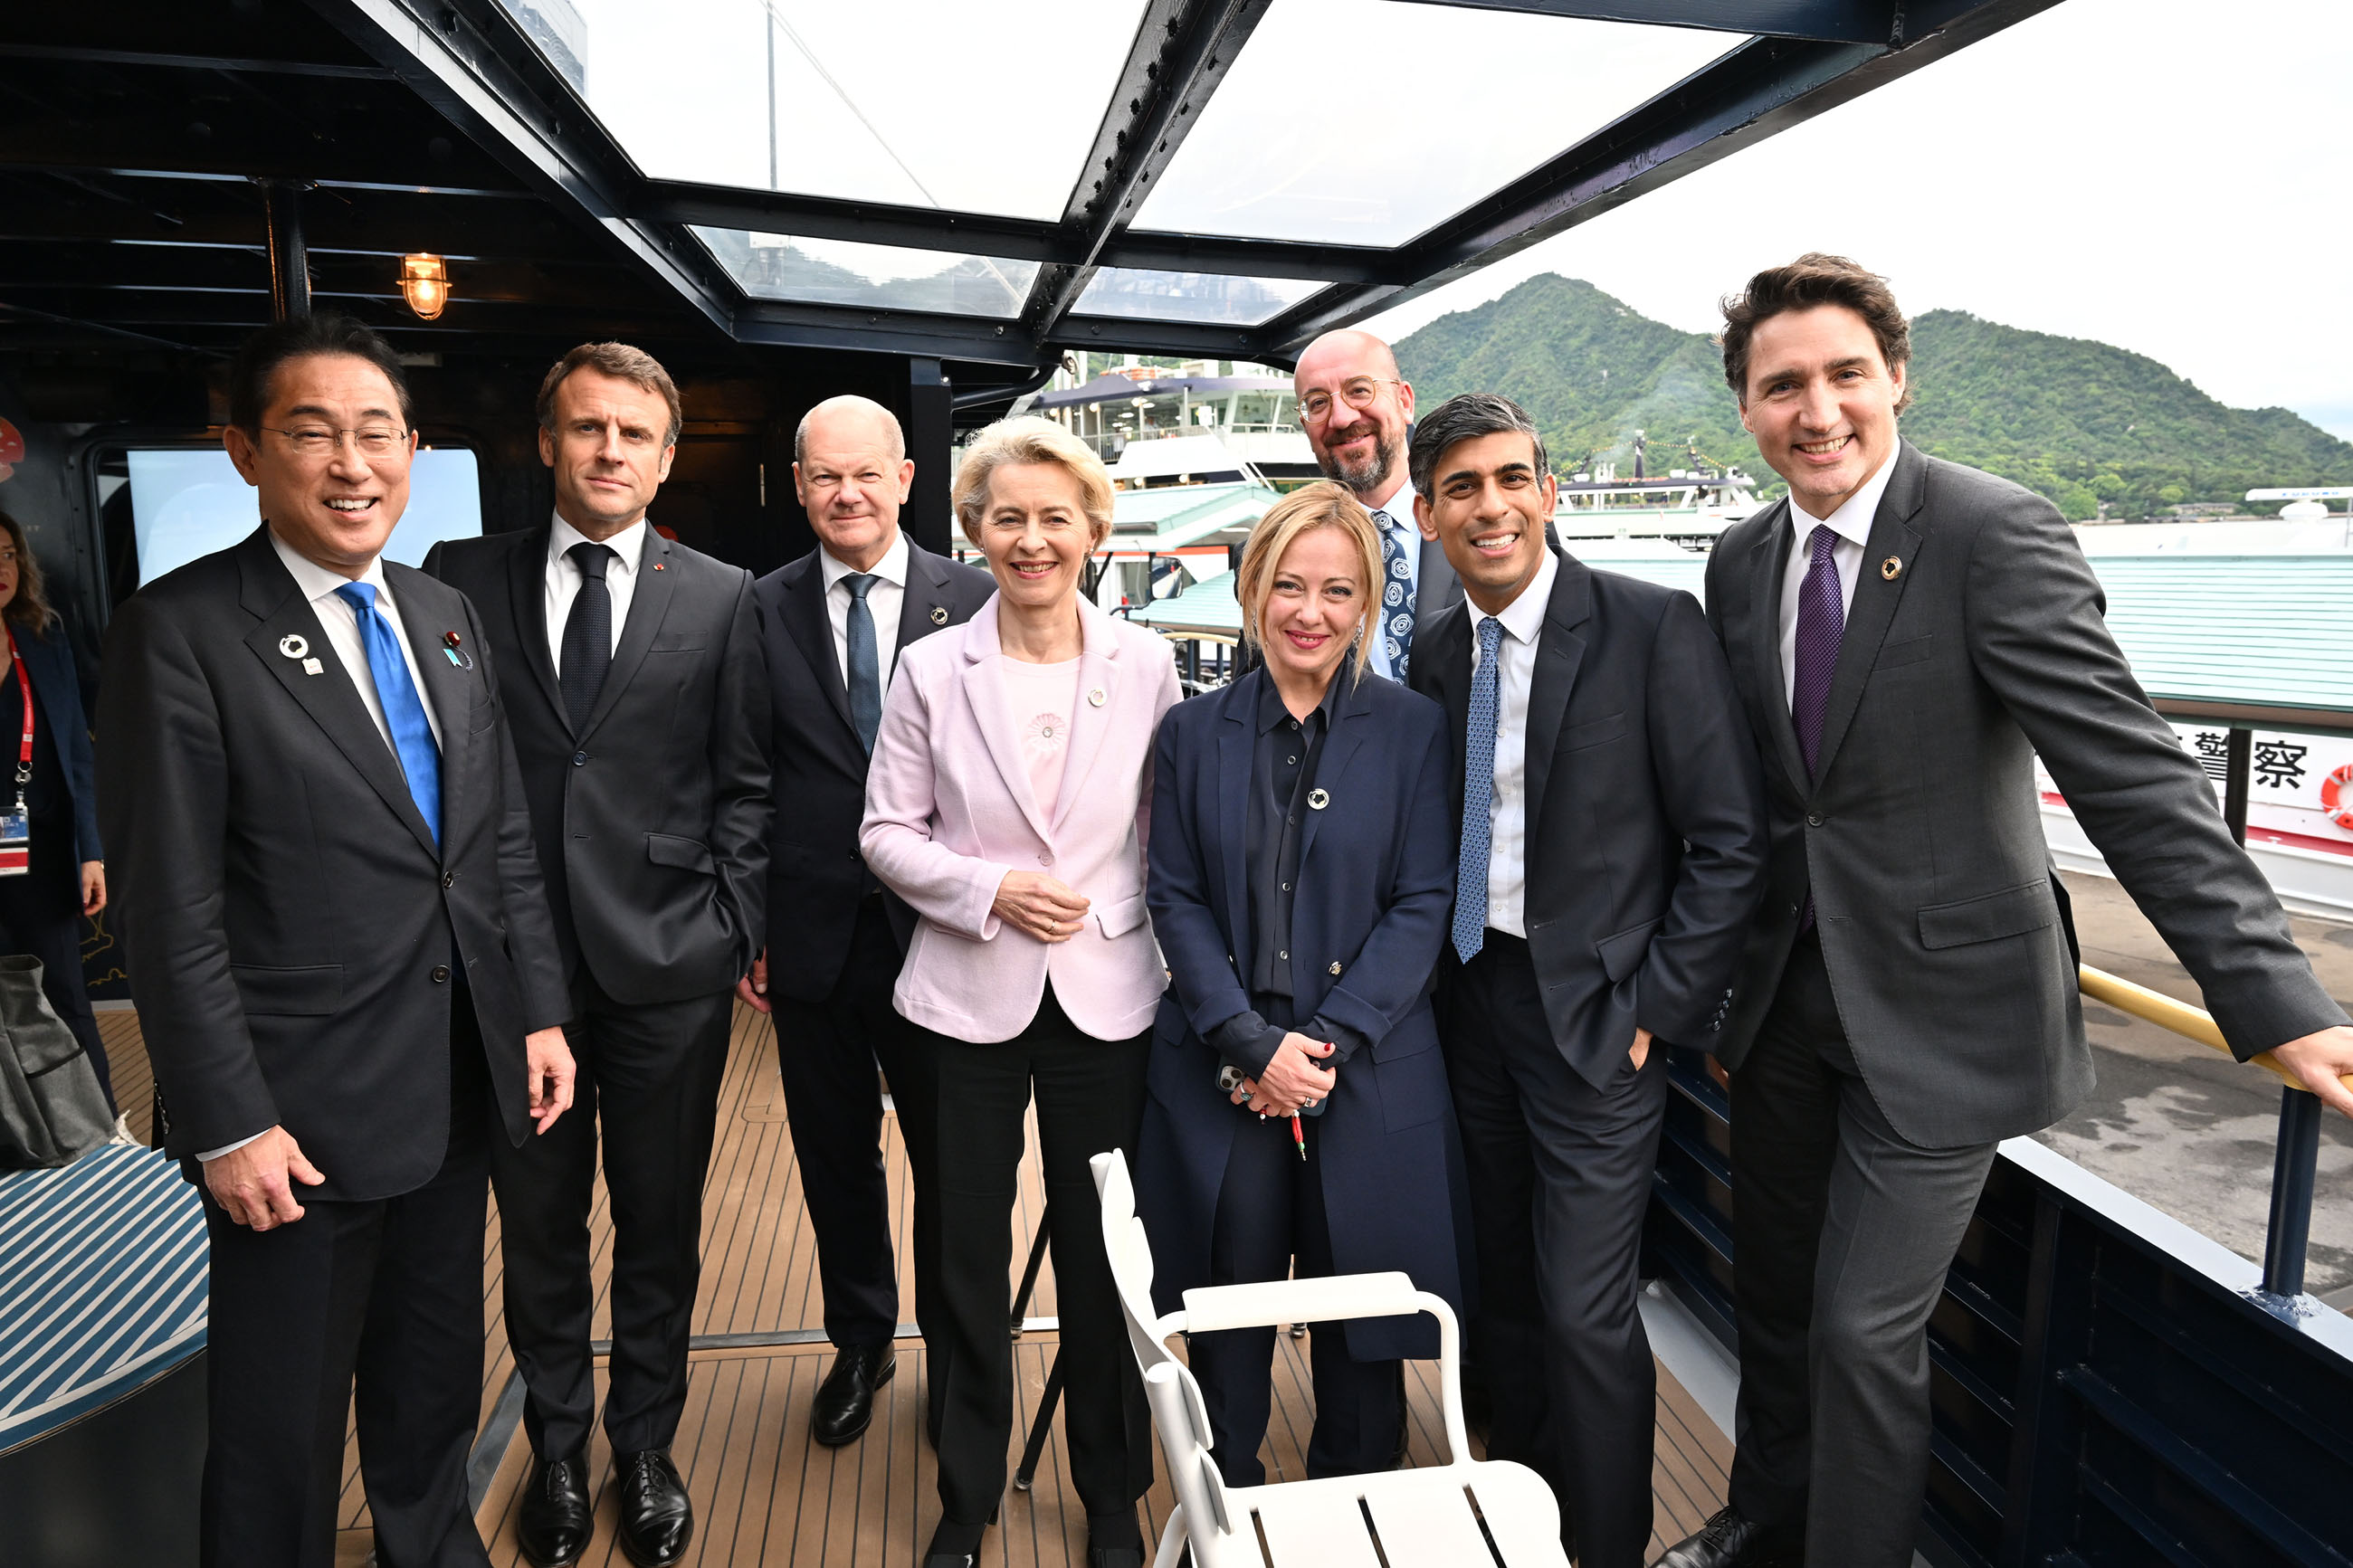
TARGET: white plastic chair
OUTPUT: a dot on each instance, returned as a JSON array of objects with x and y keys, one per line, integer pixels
[{"x": 1425, "y": 1518}]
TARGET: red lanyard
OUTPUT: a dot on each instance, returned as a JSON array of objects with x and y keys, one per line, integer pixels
[{"x": 24, "y": 752}]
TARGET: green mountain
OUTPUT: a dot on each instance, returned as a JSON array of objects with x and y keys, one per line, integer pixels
[{"x": 2082, "y": 422}]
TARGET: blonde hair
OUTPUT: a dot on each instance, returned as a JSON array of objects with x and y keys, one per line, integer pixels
[
  {"x": 1319, "y": 505},
  {"x": 1030, "y": 439}
]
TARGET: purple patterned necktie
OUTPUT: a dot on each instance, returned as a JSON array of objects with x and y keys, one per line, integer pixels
[{"x": 1822, "y": 622}]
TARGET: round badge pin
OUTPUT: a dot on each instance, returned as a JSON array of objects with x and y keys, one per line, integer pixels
[
  {"x": 1318, "y": 799},
  {"x": 939, "y": 615},
  {"x": 1892, "y": 568},
  {"x": 294, "y": 646},
  {"x": 1095, "y": 698}
]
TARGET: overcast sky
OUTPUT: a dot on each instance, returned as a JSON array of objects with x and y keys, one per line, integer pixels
[{"x": 2172, "y": 176}]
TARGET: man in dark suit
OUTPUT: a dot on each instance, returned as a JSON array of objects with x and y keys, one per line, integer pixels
[
  {"x": 334, "y": 922},
  {"x": 634, "y": 685},
  {"x": 1357, "y": 413},
  {"x": 1612, "y": 851},
  {"x": 1907, "y": 636},
  {"x": 832, "y": 624}
]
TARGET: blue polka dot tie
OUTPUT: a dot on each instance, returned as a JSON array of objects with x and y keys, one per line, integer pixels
[
  {"x": 1478, "y": 798},
  {"x": 1396, "y": 599}
]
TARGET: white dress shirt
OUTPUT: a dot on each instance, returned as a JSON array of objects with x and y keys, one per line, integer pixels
[
  {"x": 1399, "y": 508},
  {"x": 1507, "y": 811},
  {"x": 1852, "y": 523},
  {"x": 564, "y": 579},
  {"x": 341, "y": 625},
  {"x": 883, "y": 599}
]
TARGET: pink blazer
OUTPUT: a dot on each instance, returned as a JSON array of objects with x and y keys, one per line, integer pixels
[{"x": 949, "y": 812}]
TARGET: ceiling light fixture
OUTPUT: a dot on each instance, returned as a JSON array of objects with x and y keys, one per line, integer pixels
[{"x": 425, "y": 284}]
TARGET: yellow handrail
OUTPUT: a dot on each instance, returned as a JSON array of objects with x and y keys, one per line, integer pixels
[{"x": 2157, "y": 1007}]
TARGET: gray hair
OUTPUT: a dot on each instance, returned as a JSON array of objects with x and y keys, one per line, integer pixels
[
  {"x": 847, "y": 403},
  {"x": 1465, "y": 419}
]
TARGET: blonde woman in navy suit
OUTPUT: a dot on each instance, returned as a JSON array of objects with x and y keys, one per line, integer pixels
[{"x": 1302, "y": 868}]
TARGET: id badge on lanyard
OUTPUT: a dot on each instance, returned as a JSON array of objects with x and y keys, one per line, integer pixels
[{"x": 16, "y": 826}]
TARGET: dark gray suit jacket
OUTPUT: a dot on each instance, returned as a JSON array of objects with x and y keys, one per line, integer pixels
[
  {"x": 1645, "y": 816},
  {"x": 653, "y": 820},
  {"x": 285, "y": 916},
  {"x": 1976, "y": 641},
  {"x": 816, "y": 874}
]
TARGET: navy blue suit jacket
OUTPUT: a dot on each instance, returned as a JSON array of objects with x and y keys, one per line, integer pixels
[
  {"x": 1375, "y": 879},
  {"x": 49, "y": 659}
]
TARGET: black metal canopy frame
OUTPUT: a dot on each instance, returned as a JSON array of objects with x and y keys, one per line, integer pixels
[{"x": 129, "y": 132}]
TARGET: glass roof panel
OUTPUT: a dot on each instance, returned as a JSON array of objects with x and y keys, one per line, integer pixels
[
  {"x": 1139, "y": 294},
  {"x": 871, "y": 277},
  {"x": 1367, "y": 122},
  {"x": 877, "y": 101}
]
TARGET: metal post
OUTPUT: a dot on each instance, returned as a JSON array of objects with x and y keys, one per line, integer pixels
[
  {"x": 2294, "y": 1161},
  {"x": 290, "y": 265},
  {"x": 931, "y": 434}
]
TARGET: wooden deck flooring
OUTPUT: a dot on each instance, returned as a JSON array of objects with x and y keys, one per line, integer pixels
[{"x": 764, "y": 1494}]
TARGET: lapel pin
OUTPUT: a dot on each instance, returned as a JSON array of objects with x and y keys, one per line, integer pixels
[
  {"x": 1318, "y": 799},
  {"x": 939, "y": 615},
  {"x": 294, "y": 646},
  {"x": 658, "y": 565},
  {"x": 1892, "y": 568},
  {"x": 453, "y": 647},
  {"x": 311, "y": 666},
  {"x": 1095, "y": 698},
  {"x": 1335, "y": 966}
]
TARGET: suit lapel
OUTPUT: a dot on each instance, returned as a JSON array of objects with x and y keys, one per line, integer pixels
[
  {"x": 1768, "y": 560},
  {"x": 1893, "y": 537},
  {"x": 448, "y": 689},
  {"x": 984, "y": 688},
  {"x": 527, "y": 599},
  {"x": 649, "y": 602},
  {"x": 1340, "y": 746},
  {"x": 1560, "y": 649},
  {"x": 268, "y": 592},
  {"x": 1236, "y": 737},
  {"x": 924, "y": 607},
  {"x": 1451, "y": 675},
  {"x": 1090, "y": 721},
  {"x": 812, "y": 632}
]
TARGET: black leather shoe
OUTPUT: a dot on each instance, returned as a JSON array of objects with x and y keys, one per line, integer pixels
[
  {"x": 1728, "y": 1541},
  {"x": 656, "y": 1516},
  {"x": 553, "y": 1522},
  {"x": 1114, "y": 1556},
  {"x": 845, "y": 1400}
]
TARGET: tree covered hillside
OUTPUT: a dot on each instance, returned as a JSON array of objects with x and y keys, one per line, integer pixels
[{"x": 2081, "y": 421}]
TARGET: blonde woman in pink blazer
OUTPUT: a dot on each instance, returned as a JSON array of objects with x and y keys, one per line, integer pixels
[{"x": 1007, "y": 802}]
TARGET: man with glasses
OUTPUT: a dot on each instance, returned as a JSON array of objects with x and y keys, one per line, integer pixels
[
  {"x": 335, "y": 932},
  {"x": 639, "y": 704},
  {"x": 1357, "y": 412}
]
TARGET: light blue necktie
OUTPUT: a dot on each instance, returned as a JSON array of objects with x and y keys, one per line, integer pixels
[
  {"x": 865, "y": 672},
  {"x": 1478, "y": 798},
  {"x": 404, "y": 710},
  {"x": 1396, "y": 599}
]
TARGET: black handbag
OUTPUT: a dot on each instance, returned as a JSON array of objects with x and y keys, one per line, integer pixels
[{"x": 51, "y": 1110}]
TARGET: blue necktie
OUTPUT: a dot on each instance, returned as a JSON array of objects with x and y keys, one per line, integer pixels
[
  {"x": 865, "y": 671},
  {"x": 1396, "y": 599},
  {"x": 1478, "y": 797},
  {"x": 404, "y": 710}
]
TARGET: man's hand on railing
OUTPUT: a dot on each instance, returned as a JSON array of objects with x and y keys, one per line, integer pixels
[{"x": 2321, "y": 1062}]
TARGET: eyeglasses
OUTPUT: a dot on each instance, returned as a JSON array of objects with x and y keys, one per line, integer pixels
[
  {"x": 1358, "y": 392},
  {"x": 321, "y": 440}
]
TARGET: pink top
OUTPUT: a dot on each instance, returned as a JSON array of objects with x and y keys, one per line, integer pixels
[{"x": 1039, "y": 698}]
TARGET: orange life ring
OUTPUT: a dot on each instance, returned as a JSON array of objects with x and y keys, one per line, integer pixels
[{"x": 2337, "y": 796}]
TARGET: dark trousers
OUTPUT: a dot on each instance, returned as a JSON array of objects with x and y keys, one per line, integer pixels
[
  {"x": 826, "y": 1054},
  {"x": 1843, "y": 1231},
  {"x": 385, "y": 1295},
  {"x": 1560, "y": 1174},
  {"x": 1090, "y": 1096},
  {"x": 649, "y": 1078},
  {"x": 40, "y": 915},
  {"x": 1270, "y": 1212}
]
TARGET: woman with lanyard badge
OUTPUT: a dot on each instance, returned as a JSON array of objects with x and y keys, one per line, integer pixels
[
  {"x": 1297, "y": 1118},
  {"x": 52, "y": 872}
]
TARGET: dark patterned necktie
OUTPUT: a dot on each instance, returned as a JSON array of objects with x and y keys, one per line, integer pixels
[
  {"x": 865, "y": 672},
  {"x": 1396, "y": 599},
  {"x": 1822, "y": 622},
  {"x": 588, "y": 633}
]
